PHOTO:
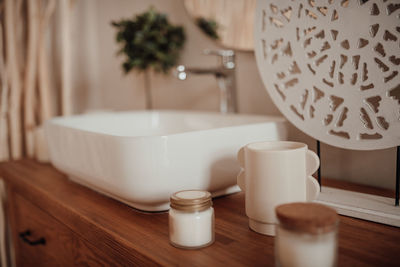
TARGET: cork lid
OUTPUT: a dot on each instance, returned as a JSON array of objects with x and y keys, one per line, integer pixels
[
  {"x": 310, "y": 218},
  {"x": 191, "y": 200}
]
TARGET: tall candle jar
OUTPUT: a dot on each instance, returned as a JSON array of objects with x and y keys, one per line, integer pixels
[
  {"x": 306, "y": 235},
  {"x": 191, "y": 219}
]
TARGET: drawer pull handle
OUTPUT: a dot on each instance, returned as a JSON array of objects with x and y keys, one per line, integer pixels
[{"x": 25, "y": 237}]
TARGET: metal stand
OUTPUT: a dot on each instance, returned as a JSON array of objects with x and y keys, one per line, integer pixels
[
  {"x": 369, "y": 207},
  {"x": 397, "y": 197},
  {"x": 320, "y": 163}
]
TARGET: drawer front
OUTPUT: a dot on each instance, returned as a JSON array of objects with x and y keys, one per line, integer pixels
[{"x": 41, "y": 240}]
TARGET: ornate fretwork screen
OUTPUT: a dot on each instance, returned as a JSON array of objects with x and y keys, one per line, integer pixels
[{"x": 332, "y": 67}]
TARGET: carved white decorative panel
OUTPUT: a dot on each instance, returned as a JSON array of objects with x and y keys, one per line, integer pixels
[{"x": 332, "y": 67}]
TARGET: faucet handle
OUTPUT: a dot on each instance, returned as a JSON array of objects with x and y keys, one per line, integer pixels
[{"x": 227, "y": 56}]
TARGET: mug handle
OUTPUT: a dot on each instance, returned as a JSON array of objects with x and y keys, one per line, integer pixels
[
  {"x": 312, "y": 189},
  {"x": 241, "y": 175},
  {"x": 312, "y": 162}
]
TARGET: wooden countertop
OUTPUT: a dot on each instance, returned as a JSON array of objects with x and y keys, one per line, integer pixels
[{"x": 133, "y": 237}]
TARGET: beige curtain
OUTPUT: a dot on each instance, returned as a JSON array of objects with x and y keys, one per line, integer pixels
[{"x": 27, "y": 93}]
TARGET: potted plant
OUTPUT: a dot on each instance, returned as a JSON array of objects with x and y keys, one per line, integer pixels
[{"x": 149, "y": 42}]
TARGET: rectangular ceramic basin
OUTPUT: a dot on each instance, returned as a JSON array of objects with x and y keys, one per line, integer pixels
[{"x": 141, "y": 158}]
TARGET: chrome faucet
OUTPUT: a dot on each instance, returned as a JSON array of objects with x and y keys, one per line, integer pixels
[{"x": 225, "y": 75}]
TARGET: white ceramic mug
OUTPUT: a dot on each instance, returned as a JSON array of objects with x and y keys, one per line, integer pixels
[{"x": 275, "y": 173}]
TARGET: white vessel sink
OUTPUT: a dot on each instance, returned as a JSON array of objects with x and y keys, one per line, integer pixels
[{"x": 141, "y": 158}]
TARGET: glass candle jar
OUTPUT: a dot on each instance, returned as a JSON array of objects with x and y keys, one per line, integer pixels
[
  {"x": 306, "y": 235},
  {"x": 191, "y": 219}
]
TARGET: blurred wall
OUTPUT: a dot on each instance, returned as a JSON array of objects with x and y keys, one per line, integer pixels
[{"x": 99, "y": 83}]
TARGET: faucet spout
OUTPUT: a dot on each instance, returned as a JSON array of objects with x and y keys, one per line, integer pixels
[
  {"x": 218, "y": 72},
  {"x": 225, "y": 75}
]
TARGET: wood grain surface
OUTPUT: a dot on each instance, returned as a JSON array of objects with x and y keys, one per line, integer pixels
[
  {"x": 128, "y": 236},
  {"x": 62, "y": 248}
]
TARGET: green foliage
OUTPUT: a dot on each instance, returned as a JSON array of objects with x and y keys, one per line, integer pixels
[
  {"x": 149, "y": 40},
  {"x": 208, "y": 26}
]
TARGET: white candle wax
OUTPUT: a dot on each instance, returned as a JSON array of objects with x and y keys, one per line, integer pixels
[
  {"x": 191, "y": 229},
  {"x": 305, "y": 250}
]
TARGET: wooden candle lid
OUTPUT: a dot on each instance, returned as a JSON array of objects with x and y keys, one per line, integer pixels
[{"x": 310, "y": 218}]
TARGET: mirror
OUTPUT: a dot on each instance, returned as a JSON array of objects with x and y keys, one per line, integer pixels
[{"x": 228, "y": 22}]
